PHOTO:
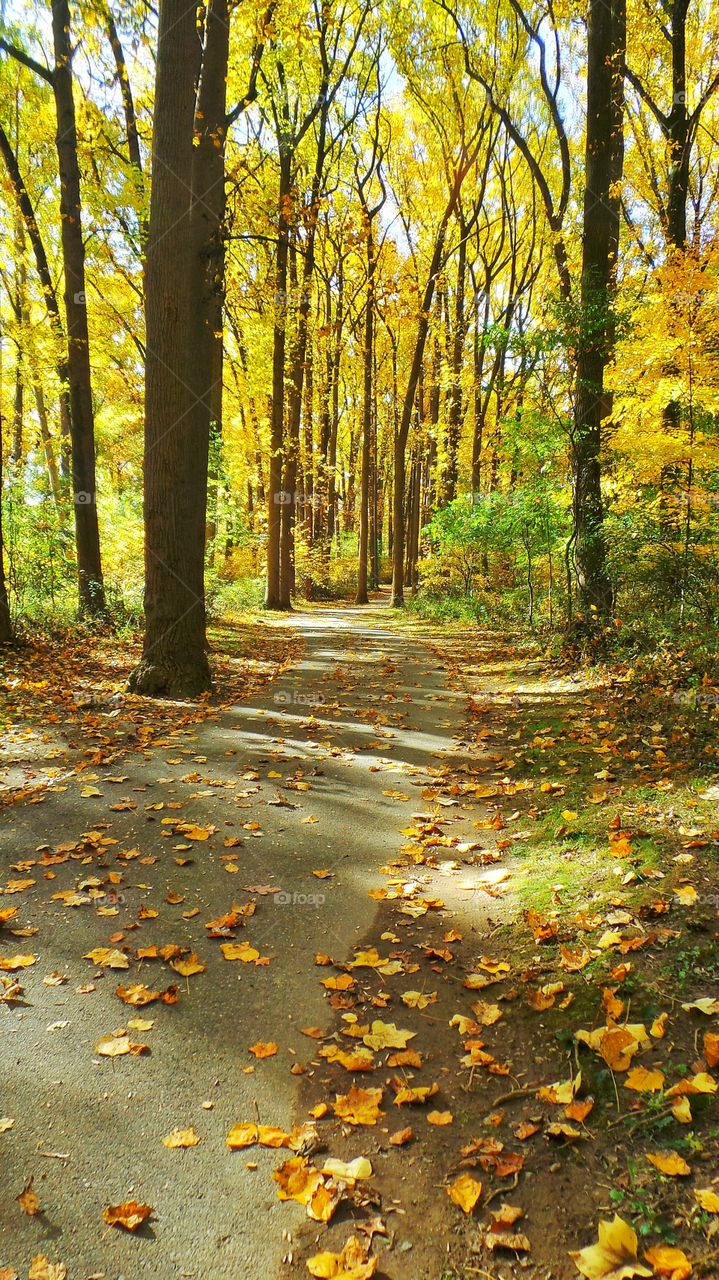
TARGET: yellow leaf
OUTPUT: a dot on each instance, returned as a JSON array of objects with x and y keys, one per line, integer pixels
[
  {"x": 643, "y": 1081},
  {"x": 465, "y": 1191},
  {"x": 28, "y": 1200},
  {"x": 711, "y": 1048},
  {"x": 614, "y": 1256},
  {"x": 188, "y": 965},
  {"x": 417, "y": 999},
  {"x": 129, "y": 1215},
  {"x": 440, "y": 1118},
  {"x": 180, "y": 1138},
  {"x": 670, "y": 1262},
  {"x": 264, "y": 1049},
  {"x": 351, "y": 1264},
  {"x": 359, "y": 1106},
  {"x": 385, "y": 1035},
  {"x": 105, "y": 957},
  {"x": 707, "y": 1199},
  {"x": 670, "y": 1163},
  {"x": 11, "y": 963},
  {"x": 239, "y": 951},
  {"x": 419, "y": 1094}
]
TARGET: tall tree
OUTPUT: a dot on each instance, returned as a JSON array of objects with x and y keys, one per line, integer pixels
[
  {"x": 606, "y": 36},
  {"x": 79, "y": 377}
]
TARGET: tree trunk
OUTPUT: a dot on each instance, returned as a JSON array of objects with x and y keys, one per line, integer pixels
[
  {"x": 402, "y": 432},
  {"x": 82, "y": 423},
  {"x": 174, "y": 661},
  {"x": 604, "y": 156},
  {"x": 368, "y": 364},
  {"x": 456, "y": 403},
  {"x": 275, "y": 495},
  {"x": 6, "y": 629}
]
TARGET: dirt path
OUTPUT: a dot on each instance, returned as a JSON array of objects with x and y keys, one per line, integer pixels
[
  {"x": 512, "y": 871},
  {"x": 300, "y": 777}
]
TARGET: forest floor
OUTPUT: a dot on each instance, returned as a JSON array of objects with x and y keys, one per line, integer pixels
[{"x": 401, "y": 895}]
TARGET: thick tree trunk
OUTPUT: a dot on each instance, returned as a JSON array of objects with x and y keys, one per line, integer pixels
[
  {"x": 174, "y": 661},
  {"x": 82, "y": 423},
  {"x": 604, "y": 156}
]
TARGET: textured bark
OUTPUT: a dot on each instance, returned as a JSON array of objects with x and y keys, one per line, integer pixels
[
  {"x": 275, "y": 493},
  {"x": 174, "y": 660},
  {"x": 82, "y": 422},
  {"x": 402, "y": 431},
  {"x": 6, "y": 629},
  {"x": 604, "y": 158},
  {"x": 367, "y": 407}
]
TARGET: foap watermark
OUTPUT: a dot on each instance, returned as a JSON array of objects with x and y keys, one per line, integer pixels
[
  {"x": 289, "y": 697},
  {"x": 285, "y": 899},
  {"x": 284, "y": 498},
  {"x": 695, "y": 698}
]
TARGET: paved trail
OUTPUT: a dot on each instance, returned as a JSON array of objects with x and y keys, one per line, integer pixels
[{"x": 361, "y": 696}]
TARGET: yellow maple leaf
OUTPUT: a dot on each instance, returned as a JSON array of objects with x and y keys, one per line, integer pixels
[
  {"x": 669, "y": 1261},
  {"x": 465, "y": 1191},
  {"x": 385, "y": 1035},
  {"x": 614, "y": 1256},
  {"x": 670, "y": 1163},
  {"x": 642, "y": 1080},
  {"x": 707, "y": 1199},
  {"x": 351, "y": 1264},
  {"x": 359, "y": 1106}
]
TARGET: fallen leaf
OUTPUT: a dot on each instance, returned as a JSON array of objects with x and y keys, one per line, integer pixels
[
  {"x": 465, "y": 1191},
  {"x": 129, "y": 1215},
  {"x": 670, "y": 1262},
  {"x": 28, "y": 1199},
  {"x": 359, "y": 1106},
  {"x": 669, "y": 1163},
  {"x": 180, "y": 1138},
  {"x": 614, "y": 1256}
]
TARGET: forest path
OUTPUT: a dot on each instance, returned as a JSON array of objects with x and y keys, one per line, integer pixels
[{"x": 366, "y": 712}]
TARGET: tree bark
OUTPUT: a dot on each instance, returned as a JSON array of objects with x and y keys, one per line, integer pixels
[
  {"x": 604, "y": 159},
  {"x": 174, "y": 661},
  {"x": 275, "y": 495},
  {"x": 82, "y": 422}
]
